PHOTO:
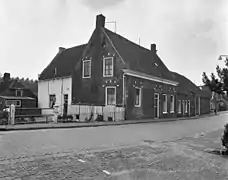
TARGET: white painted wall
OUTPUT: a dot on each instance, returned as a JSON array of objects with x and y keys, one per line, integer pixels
[{"x": 59, "y": 87}]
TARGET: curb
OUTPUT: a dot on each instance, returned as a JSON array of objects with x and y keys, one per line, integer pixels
[{"x": 77, "y": 125}]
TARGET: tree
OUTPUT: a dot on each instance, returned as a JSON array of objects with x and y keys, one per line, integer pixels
[{"x": 220, "y": 84}]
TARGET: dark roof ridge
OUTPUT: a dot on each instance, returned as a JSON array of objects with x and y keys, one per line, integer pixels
[
  {"x": 144, "y": 48},
  {"x": 58, "y": 62},
  {"x": 184, "y": 77},
  {"x": 78, "y": 46}
]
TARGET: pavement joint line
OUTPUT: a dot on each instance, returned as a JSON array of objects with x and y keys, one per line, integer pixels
[{"x": 106, "y": 172}]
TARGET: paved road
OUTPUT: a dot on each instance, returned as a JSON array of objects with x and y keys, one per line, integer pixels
[{"x": 26, "y": 143}]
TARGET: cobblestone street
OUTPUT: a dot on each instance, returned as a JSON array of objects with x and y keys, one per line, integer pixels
[{"x": 179, "y": 159}]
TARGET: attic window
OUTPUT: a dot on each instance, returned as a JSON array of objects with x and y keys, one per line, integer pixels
[
  {"x": 19, "y": 92},
  {"x": 156, "y": 64}
]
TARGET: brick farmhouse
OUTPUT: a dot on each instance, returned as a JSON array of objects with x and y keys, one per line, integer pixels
[{"x": 110, "y": 70}]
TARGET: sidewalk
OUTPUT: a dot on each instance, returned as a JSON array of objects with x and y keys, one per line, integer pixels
[{"x": 92, "y": 124}]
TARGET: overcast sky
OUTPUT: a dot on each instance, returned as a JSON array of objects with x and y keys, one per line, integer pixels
[{"x": 190, "y": 34}]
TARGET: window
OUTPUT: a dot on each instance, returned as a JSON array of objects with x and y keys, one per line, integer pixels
[
  {"x": 18, "y": 92},
  {"x": 186, "y": 106},
  {"x": 179, "y": 106},
  {"x": 86, "y": 71},
  {"x": 137, "y": 97},
  {"x": 17, "y": 103},
  {"x": 108, "y": 67},
  {"x": 183, "y": 106},
  {"x": 52, "y": 100},
  {"x": 110, "y": 95},
  {"x": 164, "y": 103},
  {"x": 172, "y": 104}
]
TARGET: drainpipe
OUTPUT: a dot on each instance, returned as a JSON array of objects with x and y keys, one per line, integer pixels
[
  {"x": 123, "y": 89},
  {"x": 61, "y": 97},
  {"x": 124, "y": 103},
  {"x": 195, "y": 104},
  {"x": 48, "y": 95}
]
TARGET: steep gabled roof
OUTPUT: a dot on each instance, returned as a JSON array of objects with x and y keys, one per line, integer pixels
[
  {"x": 7, "y": 86},
  {"x": 64, "y": 63},
  {"x": 15, "y": 84},
  {"x": 186, "y": 85},
  {"x": 137, "y": 57}
]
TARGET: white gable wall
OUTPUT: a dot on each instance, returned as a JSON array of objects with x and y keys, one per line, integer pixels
[{"x": 59, "y": 87}]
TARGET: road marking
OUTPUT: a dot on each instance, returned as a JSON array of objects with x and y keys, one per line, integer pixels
[
  {"x": 80, "y": 160},
  {"x": 106, "y": 172}
]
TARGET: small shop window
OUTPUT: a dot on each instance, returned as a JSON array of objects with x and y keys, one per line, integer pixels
[
  {"x": 172, "y": 103},
  {"x": 165, "y": 103},
  {"x": 186, "y": 106},
  {"x": 179, "y": 106}
]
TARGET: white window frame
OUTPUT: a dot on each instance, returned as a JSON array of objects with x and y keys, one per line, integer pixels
[
  {"x": 20, "y": 91},
  {"x": 140, "y": 97},
  {"x": 83, "y": 66},
  {"x": 104, "y": 67},
  {"x": 179, "y": 106},
  {"x": 186, "y": 106},
  {"x": 158, "y": 105},
  {"x": 7, "y": 105},
  {"x": 106, "y": 95},
  {"x": 166, "y": 109},
  {"x": 172, "y": 104}
]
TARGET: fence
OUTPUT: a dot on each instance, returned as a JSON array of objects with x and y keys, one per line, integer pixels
[
  {"x": 96, "y": 113},
  {"x": 75, "y": 113}
]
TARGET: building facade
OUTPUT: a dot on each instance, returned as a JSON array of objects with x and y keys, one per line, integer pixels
[
  {"x": 12, "y": 91},
  {"x": 112, "y": 71}
]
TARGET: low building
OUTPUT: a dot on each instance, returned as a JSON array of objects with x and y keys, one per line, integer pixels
[
  {"x": 14, "y": 92},
  {"x": 111, "y": 71}
]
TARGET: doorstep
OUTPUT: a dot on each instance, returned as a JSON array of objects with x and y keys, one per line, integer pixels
[{"x": 92, "y": 124}]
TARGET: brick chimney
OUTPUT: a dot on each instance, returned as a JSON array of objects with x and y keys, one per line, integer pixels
[
  {"x": 6, "y": 77},
  {"x": 100, "y": 21},
  {"x": 153, "y": 48},
  {"x": 61, "y": 49}
]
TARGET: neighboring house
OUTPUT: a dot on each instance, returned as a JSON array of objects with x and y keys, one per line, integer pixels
[
  {"x": 14, "y": 92},
  {"x": 218, "y": 101},
  {"x": 112, "y": 71}
]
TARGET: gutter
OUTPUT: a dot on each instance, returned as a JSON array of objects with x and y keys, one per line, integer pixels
[
  {"x": 149, "y": 77},
  {"x": 55, "y": 78}
]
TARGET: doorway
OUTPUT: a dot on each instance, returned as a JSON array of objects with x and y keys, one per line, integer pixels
[
  {"x": 156, "y": 105},
  {"x": 65, "y": 104}
]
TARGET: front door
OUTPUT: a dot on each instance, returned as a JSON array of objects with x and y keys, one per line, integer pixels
[
  {"x": 156, "y": 105},
  {"x": 65, "y": 104}
]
